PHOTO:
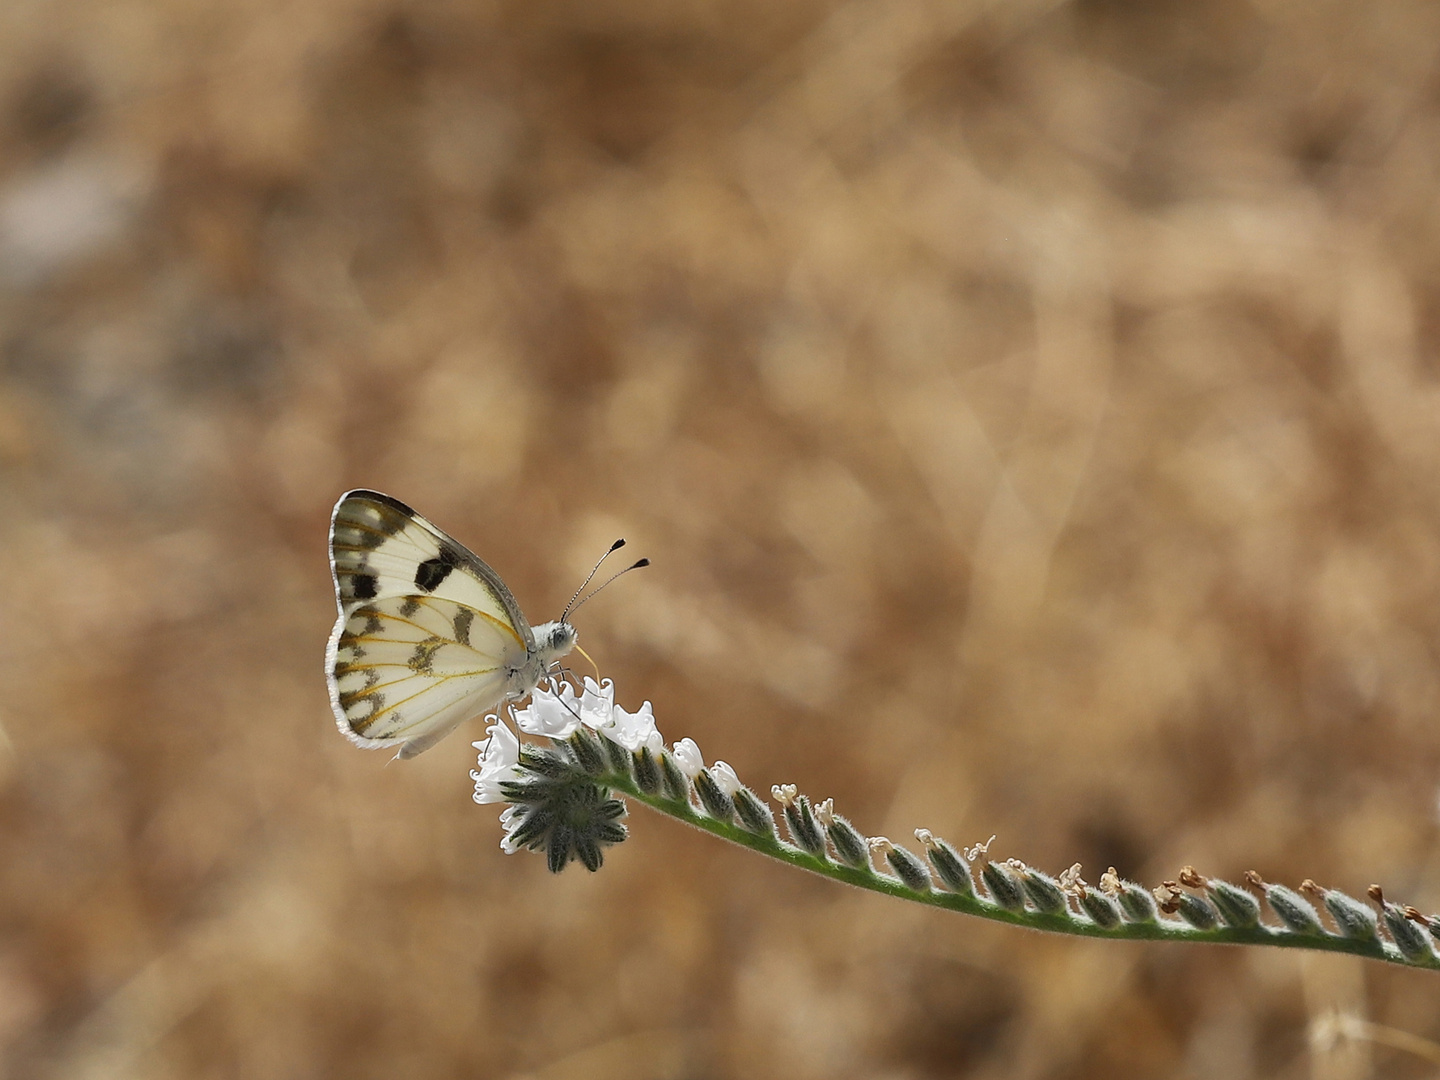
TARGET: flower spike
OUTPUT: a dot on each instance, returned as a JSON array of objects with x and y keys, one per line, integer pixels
[{"x": 565, "y": 790}]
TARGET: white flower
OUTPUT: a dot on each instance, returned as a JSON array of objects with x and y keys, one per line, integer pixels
[
  {"x": 634, "y": 730},
  {"x": 597, "y": 703},
  {"x": 688, "y": 757},
  {"x": 509, "y": 822},
  {"x": 555, "y": 715},
  {"x": 499, "y": 754},
  {"x": 725, "y": 778}
]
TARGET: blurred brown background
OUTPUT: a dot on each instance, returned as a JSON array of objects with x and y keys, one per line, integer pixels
[{"x": 1032, "y": 412}]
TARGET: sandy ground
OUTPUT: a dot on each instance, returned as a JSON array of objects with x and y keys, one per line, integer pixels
[{"x": 1032, "y": 411}]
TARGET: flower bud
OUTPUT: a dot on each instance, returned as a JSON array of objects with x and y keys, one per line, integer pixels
[
  {"x": 908, "y": 868},
  {"x": 673, "y": 781},
  {"x": 1004, "y": 885},
  {"x": 716, "y": 803},
  {"x": 803, "y": 828},
  {"x": 754, "y": 815},
  {"x": 725, "y": 778},
  {"x": 950, "y": 866},
  {"x": 1102, "y": 909},
  {"x": 849, "y": 844},
  {"x": 1197, "y": 912},
  {"x": 647, "y": 771},
  {"x": 688, "y": 757},
  {"x": 1236, "y": 906},
  {"x": 616, "y": 756},
  {"x": 1408, "y": 938},
  {"x": 1135, "y": 902},
  {"x": 548, "y": 763},
  {"x": 1431, "y": 924},
  {"x": 1352, "y": 918},
  {"x": 529, "y": 822},
  {"x": 1043, "y": 890},
  {"x": 1292, "y": 909},
  {"x": 586, "y": 747}
]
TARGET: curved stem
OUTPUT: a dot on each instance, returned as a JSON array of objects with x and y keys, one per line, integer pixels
[{"x": 1060, "y": 923}]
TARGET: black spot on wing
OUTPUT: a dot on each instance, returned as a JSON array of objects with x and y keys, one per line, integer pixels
[
  {"x": 374, "y": 705},
  {"x": 363, "y": 622},
  {"x": 364, "y": 495},
  {"x": 409, "y": 606},
  {"x": 372, "y": 512},
  {"x": 430, "y": 573},
  {"x": 423, "y": 660},
  {"x": 349, "y": 535},
  {"x": 364, "y": 586},
  {"x": 463, "y": 618},
  {"x": 374, "y": 699}
]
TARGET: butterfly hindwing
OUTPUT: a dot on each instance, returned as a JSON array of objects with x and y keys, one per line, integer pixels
[{"x": 426, "y": 635}]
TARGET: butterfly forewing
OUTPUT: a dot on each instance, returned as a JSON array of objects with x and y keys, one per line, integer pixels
[
  {"x": 380, "y": 547},
  {"x": 426, "y": 631}
]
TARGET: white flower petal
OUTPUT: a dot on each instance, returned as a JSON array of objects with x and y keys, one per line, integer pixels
[
  {"x": 509, "y": 821},
  {"x": 725, "y": 778},
  {"x": 597, "y": 703},
  {"x": 688, "y": 757},
  {"x": 566, "y": 693},
  {"x": 498, "y": 756},
  {"x": 547, "y": 716},
  {"x": 632, "y": 730}
]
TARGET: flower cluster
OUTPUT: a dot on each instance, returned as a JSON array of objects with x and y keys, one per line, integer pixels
[
  {"x": 555, "y": 804},
  {"x": 560, "y": 788}
]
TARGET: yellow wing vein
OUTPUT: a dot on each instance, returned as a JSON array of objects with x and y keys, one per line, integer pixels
[
  {"x": 407, "y": 622},
  {"x": 425, "y": 629},
  {"x": 342, "y": 668},
  {"x": 489, "y": 618},
  {"x": 356, "y": 695},
  {"x": 370, "y": 720},
  {"x": 351, "y": 523}
]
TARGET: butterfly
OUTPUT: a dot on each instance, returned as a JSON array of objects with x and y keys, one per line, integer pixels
[{"x": 427, "y": 635}]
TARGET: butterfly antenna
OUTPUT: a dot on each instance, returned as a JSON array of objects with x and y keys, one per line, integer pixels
[
  {"x": 616, "y": 546},
  {"x": 633, "y": 566}
]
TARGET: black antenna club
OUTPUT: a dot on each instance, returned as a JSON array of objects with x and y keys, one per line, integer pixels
[
  {"x": 572, "y": 605},
  {"x": 633, "y": 566}
]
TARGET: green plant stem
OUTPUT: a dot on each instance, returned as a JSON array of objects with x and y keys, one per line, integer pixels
[{"x": 1061, "y": 923}]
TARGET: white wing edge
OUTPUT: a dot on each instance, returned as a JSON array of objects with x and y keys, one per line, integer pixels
[{"x": 332, "y": 648}]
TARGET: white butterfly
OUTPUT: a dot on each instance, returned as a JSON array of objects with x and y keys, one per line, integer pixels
[{"x": 428, "y": 635}]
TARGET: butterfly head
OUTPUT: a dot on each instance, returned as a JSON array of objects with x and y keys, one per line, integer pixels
[{"x": 552, "y": 641}]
